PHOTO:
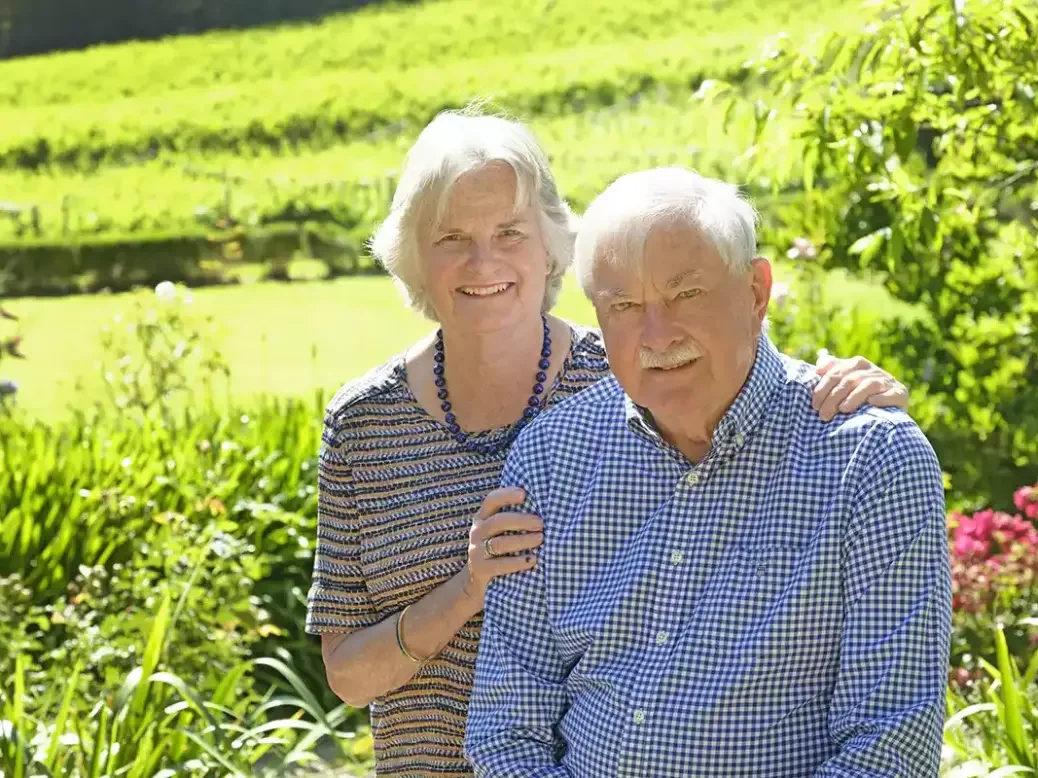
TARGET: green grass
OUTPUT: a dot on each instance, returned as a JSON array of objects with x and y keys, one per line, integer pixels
[
  {"x": 112, "y": 139},
  {"x": 285, "y": 339},
  {"x": 399, "y": 36},
  {"x": 587, "y": 152}
]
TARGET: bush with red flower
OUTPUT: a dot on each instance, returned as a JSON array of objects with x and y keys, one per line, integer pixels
[{"x": 994, "y": 579}]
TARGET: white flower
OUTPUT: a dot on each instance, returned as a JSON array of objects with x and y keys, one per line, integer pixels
[
  {"x": 166, "y": 292},
  {"x": 779, "y": 292},
  {"x": 802, "y": 249}
]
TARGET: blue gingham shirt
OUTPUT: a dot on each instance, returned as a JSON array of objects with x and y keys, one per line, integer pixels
[{"x": 781, "y": 608}]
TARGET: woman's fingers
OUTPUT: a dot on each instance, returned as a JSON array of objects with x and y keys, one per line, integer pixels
[
  {"x": 502, "y": 541},
  {"x": 896, "y": 396},
  {"x": 831, "y": 404},
  {"x": 498, "y": 499},
  {"x": 869, "y": 390},
  {"x": 834, "y": 372},
  {"x": 512, "y": 544},
  {"x": 509, "y": 522}
]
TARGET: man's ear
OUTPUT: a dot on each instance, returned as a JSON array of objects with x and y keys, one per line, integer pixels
[{"x": 760, "y": 285}]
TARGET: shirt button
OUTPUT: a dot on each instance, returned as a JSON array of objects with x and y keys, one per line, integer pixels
[
  {"x": 639, "y": 717},
  {"x": 676, "y": 557},
  {"x": 692, "y": 478},
  {"x": 739, "y": 440},
  {"x": 661, "y": 637}
]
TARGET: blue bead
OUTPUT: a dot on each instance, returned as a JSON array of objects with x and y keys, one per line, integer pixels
[
  {"x": 544, "y": 364},
  {"x": 451, "y": 418},
  {"x": 537, "y": 389},
  {"x": 545, "y": 352},
  {"x": 542, "y": 377},
  {"x": 441, "y": 381},
  {"x": 460, "y": 437},
  {"x": 534, "y": 402},
  {"x": 445, "y": 406},
  {"x": 442, "y": 394},
  {"x": 529, "y": 413},
  {"x": 438, "y": 369},
  {"x": 438, "y": 356}
]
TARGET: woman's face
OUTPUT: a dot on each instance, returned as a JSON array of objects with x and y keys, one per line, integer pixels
[{"x": 485, "y": 265}]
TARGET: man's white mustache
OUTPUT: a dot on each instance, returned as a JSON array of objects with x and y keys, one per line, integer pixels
[{"x": 672, "y": 357}]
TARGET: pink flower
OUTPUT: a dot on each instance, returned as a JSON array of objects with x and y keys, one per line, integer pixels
[
  {"x": 967, "y": 547},
  {"x": 1031, "y": 511},
  {"x": 1023, "y": 497}
]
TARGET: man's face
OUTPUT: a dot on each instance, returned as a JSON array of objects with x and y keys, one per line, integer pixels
[{"x": 681, "y": 331}]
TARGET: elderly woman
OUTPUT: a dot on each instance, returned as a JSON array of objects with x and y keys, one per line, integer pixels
[{"x": 410, "y": 529}]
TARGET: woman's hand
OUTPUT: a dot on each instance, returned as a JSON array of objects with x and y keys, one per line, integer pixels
[
  {"x": 491, "y": 551},
  {"x": 847, "y": 384}
]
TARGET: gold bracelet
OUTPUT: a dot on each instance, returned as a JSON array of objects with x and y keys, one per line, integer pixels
[{"x": 400, "y": 638}]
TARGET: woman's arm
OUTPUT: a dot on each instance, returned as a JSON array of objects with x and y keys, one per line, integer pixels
[{"x": 368, "y": 663}]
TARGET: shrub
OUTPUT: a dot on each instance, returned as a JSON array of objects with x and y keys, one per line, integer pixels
[
  {"x": 994, "y": 579},
  {"x": 919, "y": 144}
]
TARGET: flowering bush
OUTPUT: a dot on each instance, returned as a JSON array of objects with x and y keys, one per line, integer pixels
[{"x": 994, "y": 579}]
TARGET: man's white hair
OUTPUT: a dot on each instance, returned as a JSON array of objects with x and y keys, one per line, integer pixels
[
  {"x": 617, "y": 223},
  {"x": 451, "y": 145}
]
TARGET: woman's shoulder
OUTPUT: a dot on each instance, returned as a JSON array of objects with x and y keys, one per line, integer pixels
[
  {"x": 587, "y": 351},
  {"x": 383, "y": 384}
]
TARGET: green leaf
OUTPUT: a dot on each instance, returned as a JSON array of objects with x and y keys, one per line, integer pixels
[
  {"x": 63, "y": 712},
  {"x": 1011, "y": 697},
  {"x": 19, "y": 715},
  {"x": 965, "y": 713},
  {"x": 152, "y": 653},
  {"x": 1028, "y": 678},
  {"x": 868, "y": 246}
]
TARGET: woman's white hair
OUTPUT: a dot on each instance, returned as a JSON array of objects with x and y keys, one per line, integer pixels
[
  {"x": 616, "y": 225},
  {"x": 452, "y": 144}
]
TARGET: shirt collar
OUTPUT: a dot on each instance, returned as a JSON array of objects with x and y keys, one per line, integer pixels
[{"x": 742, "y": 416}]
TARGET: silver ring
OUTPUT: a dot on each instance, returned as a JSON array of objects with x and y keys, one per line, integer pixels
[{"x": 487, "y": 549}]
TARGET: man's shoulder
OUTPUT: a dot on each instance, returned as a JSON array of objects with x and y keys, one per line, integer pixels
[
  {"x": 885, "y": 431},
  {"x": 600, "y": 403}
]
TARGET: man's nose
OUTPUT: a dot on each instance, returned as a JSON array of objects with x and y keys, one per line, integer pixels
[{"x": 658, "y": 329}]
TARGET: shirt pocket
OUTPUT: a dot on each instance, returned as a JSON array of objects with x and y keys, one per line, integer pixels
[{"x": 743, "y": 600}]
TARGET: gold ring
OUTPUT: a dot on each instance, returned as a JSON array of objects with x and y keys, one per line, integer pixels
[{"x": 487, "y": 549}]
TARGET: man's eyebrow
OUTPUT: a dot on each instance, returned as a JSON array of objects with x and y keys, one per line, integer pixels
[
  {"x": 611, "y": 294},
  {"x": 688, "y": 275}
]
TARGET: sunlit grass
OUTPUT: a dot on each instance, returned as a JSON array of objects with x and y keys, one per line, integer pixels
[{"x": 283, "y": 339}]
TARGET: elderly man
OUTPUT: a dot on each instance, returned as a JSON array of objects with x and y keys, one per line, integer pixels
[{"x": 728, "y": 586}]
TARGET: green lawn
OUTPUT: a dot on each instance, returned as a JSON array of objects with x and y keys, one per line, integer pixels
[{"x": 286, "y": 339}]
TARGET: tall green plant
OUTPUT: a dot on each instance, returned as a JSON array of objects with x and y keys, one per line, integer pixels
[
  {"x": 153, "y": 723},
  {"x": 998, "y": 736}
]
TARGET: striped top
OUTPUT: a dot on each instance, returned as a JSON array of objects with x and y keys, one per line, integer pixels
[{"x": 396, "y": 500}]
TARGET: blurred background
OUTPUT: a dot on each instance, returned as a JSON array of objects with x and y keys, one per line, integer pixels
[{"x": 186, "y": 188}]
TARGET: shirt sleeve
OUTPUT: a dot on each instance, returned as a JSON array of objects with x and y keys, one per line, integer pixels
[
  {"x": 519, "y": 695},
  {"x": 888, "y": 705},
  {"x": 338, "y": 600}
]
